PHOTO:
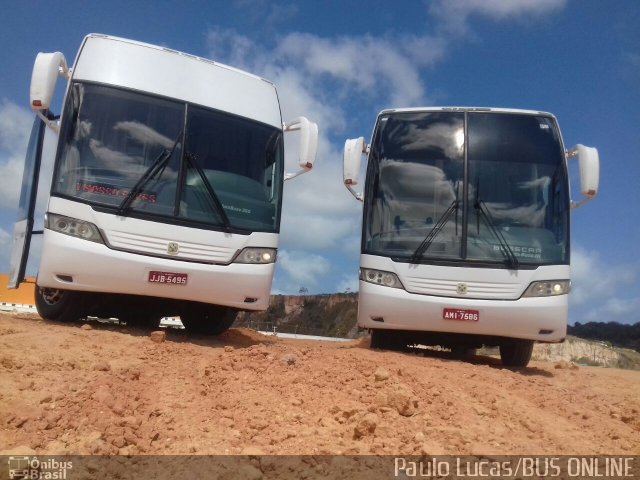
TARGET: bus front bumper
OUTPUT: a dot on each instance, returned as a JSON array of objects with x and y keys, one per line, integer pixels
[
  {"x": 542, "y": 319},
  {"x": 69, "y": 263}
]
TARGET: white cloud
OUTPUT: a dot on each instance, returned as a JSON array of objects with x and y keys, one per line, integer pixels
[
  {"x": 321, "y": 190},
  {"x": 267, "y": 13},
  {"x": 231, "y": 47},
  {"x": 603, "y": 292},
  {"x": 10, "y": 175},
  {"x": 621, "y": 310},
  {"x": 15, "y": 123},
  {"x": 303, "y": 268},
  {"x": 300, "y": 231},
  {"x": 318, "y": 212},
  {"x": 300, "y": 64},
  {"x": 348, "y": 283},
  {"x": 298, "y": 96},
  {"x": 5, "y": 246},
  {"x": 594, "y": 280},
  {"x": 366, "y": 64},
  {"x": 15, "y": 127},
  {"x": 454, "y": 14}
]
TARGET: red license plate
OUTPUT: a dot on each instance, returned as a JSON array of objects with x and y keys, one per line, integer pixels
[
  {"x": 461, "y": 314},
  {"x": 168, "y": 277}
]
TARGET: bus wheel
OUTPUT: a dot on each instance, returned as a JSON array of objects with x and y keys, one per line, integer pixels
[
  {"x": 516, "y": 353},
  {"x": 56, "y": 304},
  {"x": 388, "y": 339},
  {"x": 209, "y": 321}
]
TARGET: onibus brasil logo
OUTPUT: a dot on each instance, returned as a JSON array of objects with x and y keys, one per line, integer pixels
[{"x": 31, "y": 468}]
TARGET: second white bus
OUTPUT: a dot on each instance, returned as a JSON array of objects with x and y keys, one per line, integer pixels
[{"x": 465, "y": 231}]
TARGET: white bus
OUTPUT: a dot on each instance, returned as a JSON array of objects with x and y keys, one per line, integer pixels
[
  {"x": 465, "y": 232},
  {"x": 167, "y": 186}
]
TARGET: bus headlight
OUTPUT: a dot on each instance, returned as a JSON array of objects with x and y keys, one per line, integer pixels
[
  {"x": 548, "y": 288},
  {"x": 73, "y": 227},
  {"x": 380, "y": 277},
  {"x": 256, "y": 255}
]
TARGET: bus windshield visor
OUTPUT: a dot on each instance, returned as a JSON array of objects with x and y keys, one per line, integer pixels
[
  {"x": 174, "y": 162},
  {"x": 504, "y": 172}
]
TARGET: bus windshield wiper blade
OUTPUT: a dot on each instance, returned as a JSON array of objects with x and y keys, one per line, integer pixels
[
  {"x": 482, "y": 209},
  {"x": 156, "y": 167},
  {"x": 219, "y": 209},
  {"x": 428, "y": 240}
]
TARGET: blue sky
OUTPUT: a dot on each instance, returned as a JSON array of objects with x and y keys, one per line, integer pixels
[{"x": 340, "y": 62}]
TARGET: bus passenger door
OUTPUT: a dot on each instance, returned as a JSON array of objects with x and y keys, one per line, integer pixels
[{"x": 23, "y": 228}]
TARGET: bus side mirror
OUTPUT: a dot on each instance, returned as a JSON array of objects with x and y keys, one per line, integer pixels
[
  {"x": 589, "y": 165},
  {"x": 308, "y": 144},
  {"x": 46, "y": 69},
  {"x": 351, "y": 158}
]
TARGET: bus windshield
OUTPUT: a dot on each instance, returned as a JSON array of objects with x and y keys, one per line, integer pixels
[
  {"x": 467, "y": 187},
  {"x": 168, "y": 161}
]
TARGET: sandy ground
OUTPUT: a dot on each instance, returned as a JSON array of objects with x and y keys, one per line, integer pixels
[{"x": 109, "y": 389}]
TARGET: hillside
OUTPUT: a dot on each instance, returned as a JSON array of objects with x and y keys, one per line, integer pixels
[
  {"x": 587, "y": 352},
  {"x": 331, "y": 315},
  {"x": 616, "y": 334}
]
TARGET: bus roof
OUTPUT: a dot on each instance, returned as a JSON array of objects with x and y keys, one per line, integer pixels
[
  {"x": 166, "y": 72},
  {"x": 178, "y": 52},
  {"x": 465, "y": 109}
]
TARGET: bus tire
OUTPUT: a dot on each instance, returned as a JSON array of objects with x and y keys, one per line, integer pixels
[
  {"x": 516, "y": 353},
  {"x": 209, "y": 321},
  {"x": 58, "y": 305}
]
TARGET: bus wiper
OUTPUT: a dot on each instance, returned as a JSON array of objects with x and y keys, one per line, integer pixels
[
  {"x": 219, "y": 209},
  {"x": 444, "y": 218},
  {"x": 482, "y": 209},
  {"x": 156, "y": 168}
]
